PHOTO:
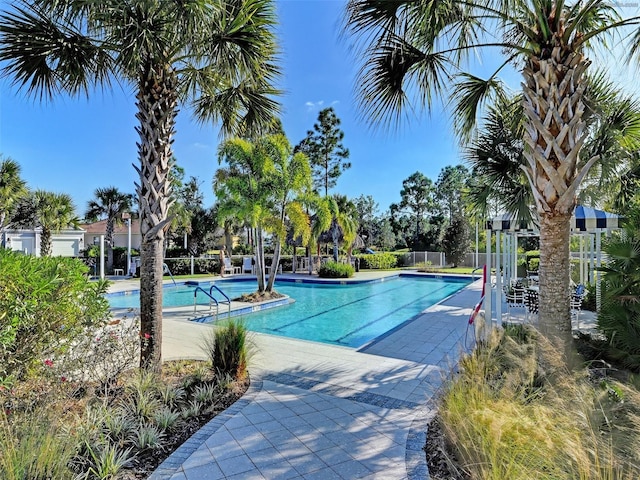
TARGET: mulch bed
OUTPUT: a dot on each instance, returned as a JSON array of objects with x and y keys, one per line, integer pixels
[{"x": 441, "y": 460}]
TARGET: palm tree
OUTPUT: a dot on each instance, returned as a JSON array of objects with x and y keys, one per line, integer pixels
[
  {"x": 53, "y": 212},
  {"x": 419, "y": 47},
  {"x": 109, "y": 203},
  {"x": 215, "y": 56},
  {"x": 259, "y": 186},
  {"x": 289, "y": 177},
  {"x": 496, "y": 155},
  {"x": 343, "y": 222},
  {"x": 12, "y": 188}
]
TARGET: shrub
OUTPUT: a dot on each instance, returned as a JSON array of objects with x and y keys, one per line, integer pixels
[
  {"x": 532, "y": 259},
  {"x": 335, "y": 270},
  {"x": 43, "y": 301},
  {"x": 378, "y": 261},
  {"x": 228, "y": 348}
]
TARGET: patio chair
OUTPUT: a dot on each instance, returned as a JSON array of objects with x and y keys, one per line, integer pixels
[
  {"x": 228, "y": 267},
  {"x": 576, "y": 301},
  {"x": 247, "y": 265},
  {"x": 531, "y": 301},
  {"x": 515, "y": 297}
]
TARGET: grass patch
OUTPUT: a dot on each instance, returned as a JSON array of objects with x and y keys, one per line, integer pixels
[{"x": 516, "y": 412}]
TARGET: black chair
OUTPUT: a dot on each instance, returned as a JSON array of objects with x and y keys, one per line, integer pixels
[{"x": 531, "y": 300}]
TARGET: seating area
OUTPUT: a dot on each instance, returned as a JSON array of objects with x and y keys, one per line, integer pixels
[{"x": 524, "y": 294}]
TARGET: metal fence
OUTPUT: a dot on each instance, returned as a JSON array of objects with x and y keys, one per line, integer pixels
[{"x": 439, "y": 259}]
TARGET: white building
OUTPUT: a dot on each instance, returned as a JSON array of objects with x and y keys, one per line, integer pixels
[{"x": 66, "y": 243}]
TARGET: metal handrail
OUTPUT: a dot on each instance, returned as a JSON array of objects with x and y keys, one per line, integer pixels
[
  {"x": 228, "y": 302},
  {"x": 211, "y": 299}
]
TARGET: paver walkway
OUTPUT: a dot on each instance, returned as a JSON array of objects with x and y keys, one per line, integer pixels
[{"x": 317, "y": 411}]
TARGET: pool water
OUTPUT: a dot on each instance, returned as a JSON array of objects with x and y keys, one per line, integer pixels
[{"x": 347, "y": 315}]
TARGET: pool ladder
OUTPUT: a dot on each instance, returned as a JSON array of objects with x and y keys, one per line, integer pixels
[{"x": 212, "y": 300}]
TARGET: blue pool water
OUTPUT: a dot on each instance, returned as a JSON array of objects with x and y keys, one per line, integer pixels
[{"x": 347, "y": 315}]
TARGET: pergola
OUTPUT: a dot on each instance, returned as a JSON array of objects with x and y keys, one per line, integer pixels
[{"x": 589, "y": 223}]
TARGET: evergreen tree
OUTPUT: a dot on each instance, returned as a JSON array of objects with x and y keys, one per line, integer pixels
[
  {"x": 456, "y": 242},
  {"x": 325, "y": 151}
]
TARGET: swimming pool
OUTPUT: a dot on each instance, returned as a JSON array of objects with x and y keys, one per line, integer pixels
[{"x": 348, "y": 315}]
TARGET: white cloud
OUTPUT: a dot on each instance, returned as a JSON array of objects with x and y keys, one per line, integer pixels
[
  {"x": 311, "y": 106},
  {"x": 201, "y": 146}
]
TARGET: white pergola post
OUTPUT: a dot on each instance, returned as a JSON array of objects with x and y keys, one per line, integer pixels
[
  {"x": 487, "y": 283},
  {"x": 598, "y": 265},
  {"x": 498, "y": 280},
  {"x": 476, "y": 262},
  {"x": 591, "y": 258},
  {"x": 581, "y": 262}
]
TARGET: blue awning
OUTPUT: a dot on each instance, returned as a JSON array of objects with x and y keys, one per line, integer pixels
[{"x": 584, "y": 219}]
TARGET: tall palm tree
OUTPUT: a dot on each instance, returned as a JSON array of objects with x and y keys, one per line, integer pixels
[
  {"x": 215, "y": 56},
  {"x": 422, "y": 47},
  {"x": 109, "y": 203},
  {"x": 53, "y": 212},
  {"x": 12, "y": 188},
  {"x": 242, "y": 193},
  {"x": 496, "y": 155}
]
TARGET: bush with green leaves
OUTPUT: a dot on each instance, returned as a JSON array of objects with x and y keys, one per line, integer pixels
[
  {"x": 335, "y": 270},
  {"x": 228, "y": 348},
  {"x": 379, "y": 261},
  {"x": 620, "y": 308},
  {"x": 44, "y": 301}
]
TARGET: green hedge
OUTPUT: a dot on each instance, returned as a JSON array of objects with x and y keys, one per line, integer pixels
[
  {"x": 378, "y": 261},
  {"x": 43, "y": 302},
  {"x": 335, "y": 270}
]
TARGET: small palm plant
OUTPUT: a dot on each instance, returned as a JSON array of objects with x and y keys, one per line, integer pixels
[{"x": 619, "y": 315}]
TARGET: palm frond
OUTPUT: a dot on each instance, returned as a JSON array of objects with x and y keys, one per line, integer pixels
[
  {"x": 470, "y": 93},
  {"x": 46, "y": 57}
]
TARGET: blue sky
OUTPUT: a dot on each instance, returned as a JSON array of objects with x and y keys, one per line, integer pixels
[{"x": 76, "y": 145}]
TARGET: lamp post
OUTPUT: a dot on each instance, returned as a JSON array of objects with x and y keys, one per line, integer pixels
[{"x": 127, "y": 216}]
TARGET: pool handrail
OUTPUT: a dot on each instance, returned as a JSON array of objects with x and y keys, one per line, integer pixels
[
  {"x": 165, "y": 268},
  {"x": 228, "y": 300},
  {"x": 473, "y": 276},
  {"x": 211, "y": 300}
]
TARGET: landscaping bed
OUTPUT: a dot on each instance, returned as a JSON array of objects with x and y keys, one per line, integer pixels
[{"x": 515, "y": 411}]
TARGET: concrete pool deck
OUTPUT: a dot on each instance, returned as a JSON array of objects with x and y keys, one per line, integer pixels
[
  {"x": 320, "y": 411},
  {"x": 317, "y": 411}
]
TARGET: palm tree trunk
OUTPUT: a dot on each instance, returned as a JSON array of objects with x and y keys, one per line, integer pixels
[
  {"x": 45, "y": 242},
  {"x": 335, "y": 237},
  {"x": 157, "y": 109},
  {"x": 274, "y": 266},
  {"x": 555, "y": 132},
  {"x": 260, "y": 259},
  {"x": 554, "y": 272},
  {"x": 151, "y": 302},
  {"x": 109, "y": 242}
]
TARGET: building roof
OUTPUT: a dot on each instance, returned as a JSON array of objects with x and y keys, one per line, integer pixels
[{"x": 100, "y": 227}]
